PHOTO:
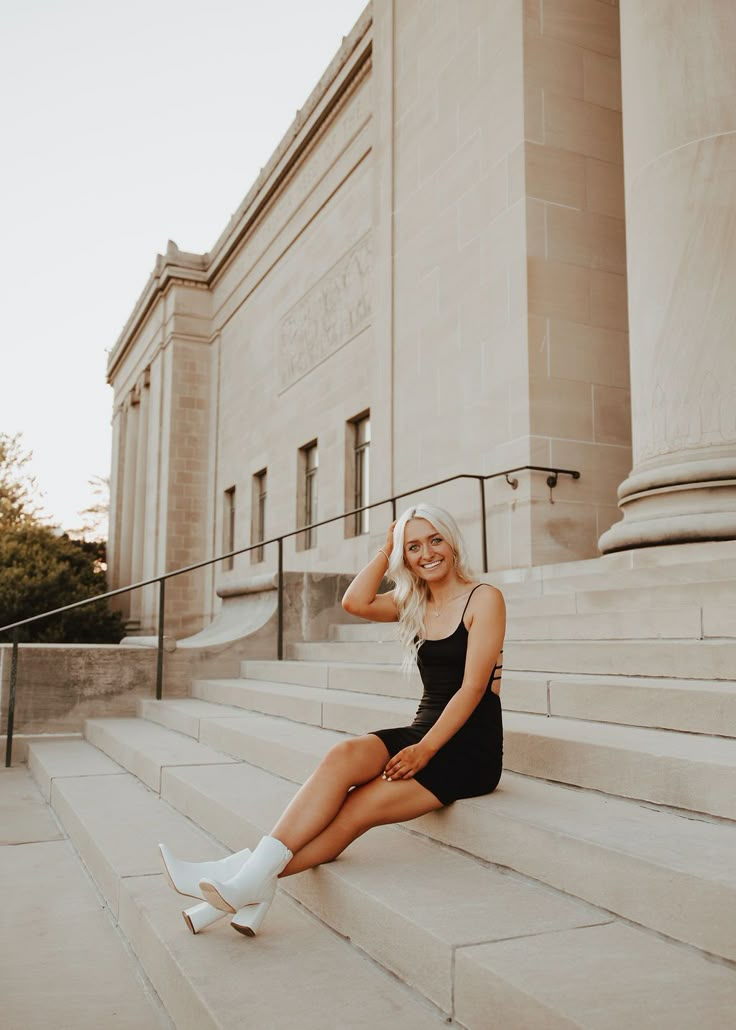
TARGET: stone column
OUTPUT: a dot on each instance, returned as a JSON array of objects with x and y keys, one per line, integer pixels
[
  {"x": 139, "y": 500},
  {"x": 679, "y": 118},
  {"x": 127, "y": 507}
]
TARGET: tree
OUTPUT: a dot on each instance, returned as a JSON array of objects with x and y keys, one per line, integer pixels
[
  {"x": 41, "y": 569},
  {"x": 17, "y": 486}
]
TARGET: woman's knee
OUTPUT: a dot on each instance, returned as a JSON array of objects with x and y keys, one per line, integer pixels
[{"x": 359, "y": 755}]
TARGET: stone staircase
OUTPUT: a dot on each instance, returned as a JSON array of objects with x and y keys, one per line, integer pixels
[{"x": 595, "y": 888}]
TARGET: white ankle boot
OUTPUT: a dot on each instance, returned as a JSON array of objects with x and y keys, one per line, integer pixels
[
  {"x": 255, "y": 883},
  {"x": 246, "y": 921},
  {"x": 184, "y": 877},
  {"x": 200, "y": 916}
]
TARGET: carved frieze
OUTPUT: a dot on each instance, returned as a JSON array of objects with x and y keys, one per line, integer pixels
[{"x": 333, "y": 312}]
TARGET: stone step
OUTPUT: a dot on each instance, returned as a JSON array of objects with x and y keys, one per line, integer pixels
[
  {"x": 642, "y": 567},
  {"x": 691, "y": 771},
  {"x": 682, "y": 770},
  {"x": 335, "y": 709},
  {"x": 568, "y": 990},
  {"x": 670, "y": 659},
  {"x": 635, "y": 858},
  {"x": 131, "y": 742},
  {"x": 370, "y": 900},
  {"x": 603, "y": 582},
  {"x": 673, "y": 659},
  {"x": 693, "y": 706},
  {"x": 710, "y": 593},
  {"x": 670, "y": 623},
  {"x": 356, "y": 676},
  {"x": 64, "y": 964},
  {"x": 705, "y": 659},
  {"x": 386, "y": 653},
  {"x": 213, "y": 985}
]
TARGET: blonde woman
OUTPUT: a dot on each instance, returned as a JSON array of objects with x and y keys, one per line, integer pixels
[{"x": 452, "y": 628}]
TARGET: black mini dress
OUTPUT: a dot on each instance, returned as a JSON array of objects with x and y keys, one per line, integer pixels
[{"x": 470, "y": 762}]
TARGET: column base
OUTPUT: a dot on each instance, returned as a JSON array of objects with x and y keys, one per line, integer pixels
[{"x": 658, "y": 509}]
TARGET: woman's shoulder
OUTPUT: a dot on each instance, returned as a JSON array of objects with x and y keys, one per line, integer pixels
[{"x": 485, "y": 597}]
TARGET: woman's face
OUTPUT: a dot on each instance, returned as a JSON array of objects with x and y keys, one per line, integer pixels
[{"x": 427, "y": 553}]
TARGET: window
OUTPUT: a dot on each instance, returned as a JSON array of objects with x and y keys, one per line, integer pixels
[
  {"x": 357, "y": 478},
  {"x": 228, "y": 526},
  {"x": 258, "y": 514},
  {"x": 307, "y": 499}
]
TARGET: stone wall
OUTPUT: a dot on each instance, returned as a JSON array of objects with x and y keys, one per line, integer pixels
[{"x": 439, "y": 240}]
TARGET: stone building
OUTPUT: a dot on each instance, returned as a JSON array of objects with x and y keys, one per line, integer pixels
[{"x": 430, "y": 277}]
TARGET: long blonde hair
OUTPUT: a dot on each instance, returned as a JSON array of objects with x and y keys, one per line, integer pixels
[{"x": 410, "y": 592}]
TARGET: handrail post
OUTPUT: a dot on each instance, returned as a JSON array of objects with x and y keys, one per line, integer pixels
[
  {"x": 484, "y": 532},
  {"x": 280, "y": 622},
  {"x": 160, "y": 655},
  {"x": 11, "y": 701}
]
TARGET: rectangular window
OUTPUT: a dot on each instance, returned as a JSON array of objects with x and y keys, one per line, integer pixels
[
  {"x": 307, "y": 499},
  {"x": 228, "y": 526},
  {"x": 258, "y": 515},
  {"x": 357, "y": 473}
]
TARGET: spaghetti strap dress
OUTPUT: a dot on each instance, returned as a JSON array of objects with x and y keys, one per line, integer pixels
[{"x": 470, "y": 763}]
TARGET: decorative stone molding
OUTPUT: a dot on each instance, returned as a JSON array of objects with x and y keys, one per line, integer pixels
[{"x": 331, "y": 314}]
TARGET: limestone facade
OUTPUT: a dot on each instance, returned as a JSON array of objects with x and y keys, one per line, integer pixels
[{"x": 439, "y": 244}]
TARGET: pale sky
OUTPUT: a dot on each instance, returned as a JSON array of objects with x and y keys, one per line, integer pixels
[{"x": 124, "y": 125}]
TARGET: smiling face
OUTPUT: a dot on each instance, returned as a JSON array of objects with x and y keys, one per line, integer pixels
[{"x": 427, "y": 553}]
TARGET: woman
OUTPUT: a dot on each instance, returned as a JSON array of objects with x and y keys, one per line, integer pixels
[{"x": 453, "y": 629}]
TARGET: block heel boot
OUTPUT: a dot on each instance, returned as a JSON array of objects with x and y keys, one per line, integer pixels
[
  {"x": 184, "y": 877},
  {"x": 200, "y": 916},
  {"x": 254, "y": 883}
]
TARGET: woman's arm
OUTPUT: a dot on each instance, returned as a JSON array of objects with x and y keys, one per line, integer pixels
[
  {"x": 485, "y": 638},
  {"x": 361, "y": 597}
]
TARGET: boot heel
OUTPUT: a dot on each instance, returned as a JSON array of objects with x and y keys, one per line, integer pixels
[
  {"x": 199, "y": 917},
  {"x": 249, "y": 919}
]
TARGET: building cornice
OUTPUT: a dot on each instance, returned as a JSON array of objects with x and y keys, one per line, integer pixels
[{"x": 177, "y": 267}]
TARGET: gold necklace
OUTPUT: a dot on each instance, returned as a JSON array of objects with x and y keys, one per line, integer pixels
[{"x": 439, "y": 610}]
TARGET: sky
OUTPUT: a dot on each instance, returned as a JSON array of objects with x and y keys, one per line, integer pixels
[{"x": 124, "y": 125}]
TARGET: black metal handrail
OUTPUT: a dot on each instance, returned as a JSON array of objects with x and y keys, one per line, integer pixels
[{"x": 552, "y": 478}]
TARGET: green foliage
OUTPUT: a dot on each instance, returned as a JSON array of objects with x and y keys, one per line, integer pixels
[
  {"x": 40, "y": 571},
  {"x": 17, "y": 486}
]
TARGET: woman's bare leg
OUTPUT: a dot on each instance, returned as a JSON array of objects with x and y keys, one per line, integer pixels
[
  {"x": 374, "y": 804},
  {"x": 317, "y": 802}
]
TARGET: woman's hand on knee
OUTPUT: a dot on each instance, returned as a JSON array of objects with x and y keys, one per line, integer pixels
[{"x": 407, "y": 762}]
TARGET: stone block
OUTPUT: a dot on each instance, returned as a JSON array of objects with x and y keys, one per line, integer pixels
[
  {"x": 608, "y": 300},
  {"x": 588, "y": 353},
  {"x": 586, "y": 238},
  {"x": 561, "y": 408},
  {"x": 551, "y": 64},
  {"x": 611, "y": 415},
  {"x": 556, "y": 175},
  {"x": 559, "y": 290},
  {"x": 602, "y": 80},
  {"x": 590, "y": 25},
  {"x": 51, "y": 759},
  {"x": 534, "y": 115},
  {"x": 24, "y": 816},
  {"x": 582, "y": 127},
  {"x": 144, "y": 749},
  {"x": 42, "y": 987},
  {"x": 563, "y": 980}
]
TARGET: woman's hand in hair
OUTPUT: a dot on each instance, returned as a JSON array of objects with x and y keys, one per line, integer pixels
[
  {"x": 389, "y": 545},
  {"x": 407, "y": 762}
]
